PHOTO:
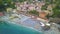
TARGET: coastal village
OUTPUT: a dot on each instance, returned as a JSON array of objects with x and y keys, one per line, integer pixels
[{"x": 24, "y": 15}]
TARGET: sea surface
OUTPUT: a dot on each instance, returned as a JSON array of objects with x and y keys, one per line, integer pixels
[{"x": 10, "y": 28}]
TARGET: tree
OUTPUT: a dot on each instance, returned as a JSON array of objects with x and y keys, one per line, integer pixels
[
  {"x": 55, "y": 7},
  {"x": 34, "y": 12},
  {"x": 6, "y": 4},
  {"x": 44, "y": 7},
  {"x": 21, "y": 0}
]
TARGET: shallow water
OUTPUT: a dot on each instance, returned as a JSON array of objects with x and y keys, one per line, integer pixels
[{"x": 9, "y": 28}]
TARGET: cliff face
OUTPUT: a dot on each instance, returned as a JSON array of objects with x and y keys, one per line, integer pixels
[{"x": 55, "y": 20}]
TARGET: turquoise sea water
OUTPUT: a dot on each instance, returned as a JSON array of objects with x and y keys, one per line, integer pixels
[{"x": 7, "y": 28}]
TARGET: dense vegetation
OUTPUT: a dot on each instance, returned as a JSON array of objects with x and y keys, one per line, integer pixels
[
  {"x": 34, "y": 12},
  {"x": 4, "y": 4},
  {"x": 55, "y": 7},
  {"x": 22, "y": 0},
  {"x": 44, "y": 7}
]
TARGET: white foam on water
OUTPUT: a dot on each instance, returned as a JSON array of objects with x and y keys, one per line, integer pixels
[{"x": 26, "y": 26}]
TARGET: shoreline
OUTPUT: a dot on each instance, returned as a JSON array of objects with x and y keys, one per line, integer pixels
[{"x": 24, "y": 26}]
